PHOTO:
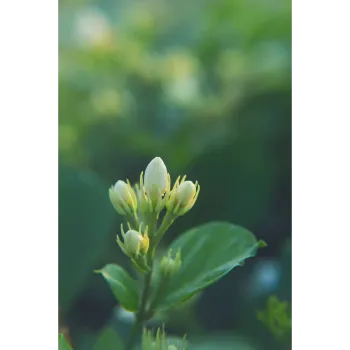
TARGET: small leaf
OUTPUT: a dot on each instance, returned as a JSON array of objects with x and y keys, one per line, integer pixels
[
  {"x": 208, "y": 252},
  {"x": 108, "y": 340},
  {"x": 277, "y": 317},
  {"x": 62, "y": 343},
  {"x": 123, "y": 286}
]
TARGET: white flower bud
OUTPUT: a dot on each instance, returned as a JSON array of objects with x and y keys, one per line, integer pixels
[
  {"x": 154, "y": 187},
  {"x": 134, "y": 243},
  {"x": 182, "y": 197},
  {"x": 156, "y": 177},
  {"x": 123, "y": 198},
  {"x": 185, "y": 193}
]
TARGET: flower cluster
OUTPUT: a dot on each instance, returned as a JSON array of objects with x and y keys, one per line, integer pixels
[{"x": 142, "y": 204}]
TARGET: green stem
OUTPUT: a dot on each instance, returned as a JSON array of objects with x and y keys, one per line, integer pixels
[
  {"x": 144, "y": 314},
  {"x": 141, "y": 316},
  {"x": 159, "y": 294},
  {"x": 152, "y": 223},
  {"x": 134, "y": 333},
  {"x": 166, "y": 223},
  {"x": 134, "y": 221}
]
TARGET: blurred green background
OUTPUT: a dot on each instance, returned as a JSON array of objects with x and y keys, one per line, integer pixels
[{"x": 206, "y": 85}]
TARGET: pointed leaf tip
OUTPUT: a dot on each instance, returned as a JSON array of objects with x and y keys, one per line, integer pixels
[{"x": 262, "y": 244}]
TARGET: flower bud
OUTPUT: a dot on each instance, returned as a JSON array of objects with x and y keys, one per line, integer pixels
[
  {"x": 159, "y": 341},
  {"x": 156, "y": 177},
  {"x": 182, "y": 197},
  {"x": 123, "y": 198},
  {"x": 154, "y": 187},
  {"x": 168, "y": 265},
  {"x": 134, "y": 242},
  {"x": 185, "y": 193}
]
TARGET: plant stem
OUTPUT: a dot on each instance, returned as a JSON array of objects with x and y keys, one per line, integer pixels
[
  {"x": 166, "y": 223},
  {"x": 144, "y": 314},
  {"x": 159, "y": 294},
  {"x": 141, "y": 316},
  {"x": 134, "y": 333},
  {"x": 152, "y": 223}
]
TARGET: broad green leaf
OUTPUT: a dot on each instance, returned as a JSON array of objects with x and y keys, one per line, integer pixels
[
  {"x": 85, "y": 220},
  {"x": 108, "y": 340},
  {"x": 208, "y": 253},
  {"x": 62, "y": 343},
  {"x": 123, "y": 286}
]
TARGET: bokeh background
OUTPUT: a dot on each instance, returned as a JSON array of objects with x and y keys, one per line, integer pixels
[{"x": 206, "y": 85}]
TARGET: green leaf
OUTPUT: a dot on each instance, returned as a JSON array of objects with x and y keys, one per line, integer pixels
[
  {"x": 123, "y": 286},
  {"x": 208, "y": 253},
  {"x": 62, "y": 343},
  {"x": 85, "y": 220},
  {"x": 108, "y": 340},
  {"x": 277, "y": 317}
]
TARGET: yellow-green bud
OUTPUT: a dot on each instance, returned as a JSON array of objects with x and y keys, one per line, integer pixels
[
  {"x": 182, "y": 197},
  {"x": 185, "y": 193},
  {"x": 168, "y": 265},
  {"x": 123, "y": 198},
  {"x": 135, "y": 243},
  {"x": 159, "y": 341}
]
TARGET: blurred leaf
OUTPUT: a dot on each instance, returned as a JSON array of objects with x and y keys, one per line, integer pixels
[
  {"x": 221, "y": 342},
  {"x": 85, "y": 219},
  {"x": 62, "y": 343},
  {"x": 124, "y": 288},
  {"x": 208, "y": 253},
  {"x": 108, "y": 340},
  {"x": 277, "y": 318}
]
